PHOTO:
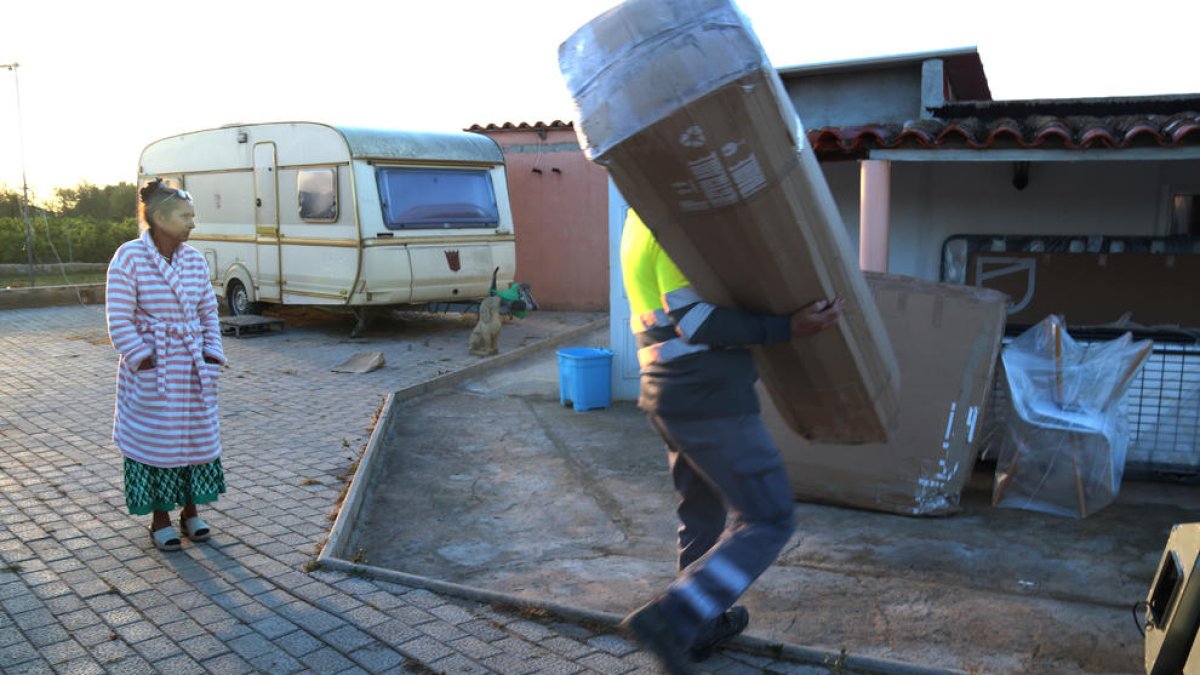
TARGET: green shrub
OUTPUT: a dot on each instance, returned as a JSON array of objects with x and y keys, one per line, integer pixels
[{"x": 74, "y": 238}]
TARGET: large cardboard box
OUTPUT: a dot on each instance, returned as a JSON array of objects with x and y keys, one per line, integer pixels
[
  {"x": 677, "y": 99},
  {"x": 947, "y": 339}
]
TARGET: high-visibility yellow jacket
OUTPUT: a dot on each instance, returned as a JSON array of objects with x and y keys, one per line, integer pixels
[{"x": 693, "y": 355}]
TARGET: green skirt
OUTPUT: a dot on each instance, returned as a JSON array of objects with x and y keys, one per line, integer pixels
[{"x": 151, "y": 488}]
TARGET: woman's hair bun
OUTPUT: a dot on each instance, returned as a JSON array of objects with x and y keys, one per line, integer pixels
[{"x": 149, "y": 189}]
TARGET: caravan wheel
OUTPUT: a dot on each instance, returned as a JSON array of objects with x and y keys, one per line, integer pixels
[{"x": 239, "y": 300}]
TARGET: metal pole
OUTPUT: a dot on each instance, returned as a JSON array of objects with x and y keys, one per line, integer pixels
[{"x": 12, "y": 67}]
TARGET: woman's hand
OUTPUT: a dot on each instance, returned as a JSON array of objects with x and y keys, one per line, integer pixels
[
  {"x": 209, "y": 359},
  {"x": 816, "y": 317},
  {"x": 146, "y": 364}
]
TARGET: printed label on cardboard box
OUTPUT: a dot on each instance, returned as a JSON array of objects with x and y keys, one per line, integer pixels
[
  {"x": 719, "y": 177},
  {"x": 969, "y": 421},
  {"x": 941, "y": 477}
]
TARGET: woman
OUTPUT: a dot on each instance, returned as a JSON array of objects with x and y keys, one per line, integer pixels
[{"x": 162, "y": 319}]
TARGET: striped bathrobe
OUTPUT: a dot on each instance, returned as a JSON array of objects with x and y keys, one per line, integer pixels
[{"x": 166, "y": 416}]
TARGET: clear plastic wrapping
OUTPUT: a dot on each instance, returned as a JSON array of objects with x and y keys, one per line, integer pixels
[
  {"x": 1066, "y": 433},
  {"x": 644, "y": 59}
]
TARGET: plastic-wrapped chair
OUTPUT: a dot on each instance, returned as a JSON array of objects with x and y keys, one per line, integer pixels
[{"x": 1064, "y": 444}]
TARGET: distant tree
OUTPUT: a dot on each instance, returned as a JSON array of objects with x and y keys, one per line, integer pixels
[
  {"x": 85, "y": 223},
  {"x": 10, "y": 202},
  {"x": 108, "y": 202}
]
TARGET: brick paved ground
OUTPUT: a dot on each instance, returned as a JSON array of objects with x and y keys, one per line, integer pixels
[{"x": 83, "y": 591}]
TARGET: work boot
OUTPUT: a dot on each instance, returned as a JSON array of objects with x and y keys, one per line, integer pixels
[
  {"x": 726, "y": 627},
  {"x": 652, "y": 630}
]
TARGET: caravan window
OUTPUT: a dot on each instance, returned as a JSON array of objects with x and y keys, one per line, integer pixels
[
  {"x": 316, "y": 190},
  {"x": 437, "y": 198}
]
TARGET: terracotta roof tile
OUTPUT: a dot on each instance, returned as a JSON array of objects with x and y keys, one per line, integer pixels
[
  {"x": 522, "y": 126},
  {"x": 1070, "y": 132},
  {"x": 1180, "y": 128},
  {"x": 1002, "y": 130}
]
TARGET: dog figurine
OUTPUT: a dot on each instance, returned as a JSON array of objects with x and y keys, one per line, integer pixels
[{"x": 486, "y": 334}]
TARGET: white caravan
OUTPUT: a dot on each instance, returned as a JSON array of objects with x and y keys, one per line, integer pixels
[{"x": 307, "y": 213}]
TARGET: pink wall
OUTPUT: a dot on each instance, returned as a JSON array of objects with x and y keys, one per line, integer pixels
[{"x": 560, "y": 215}]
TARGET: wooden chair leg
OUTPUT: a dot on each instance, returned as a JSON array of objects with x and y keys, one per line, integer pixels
[
  {"x": 1079, "y": 486},
  {"x": 1002, "y": 483}
]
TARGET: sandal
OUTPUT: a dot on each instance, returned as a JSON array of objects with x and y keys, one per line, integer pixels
[
  {"x": 165, "y": 539},
  {"x": 194, "y": 528}
]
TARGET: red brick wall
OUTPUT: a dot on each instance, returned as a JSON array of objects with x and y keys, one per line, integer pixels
[{"x": 560, "y": 216}]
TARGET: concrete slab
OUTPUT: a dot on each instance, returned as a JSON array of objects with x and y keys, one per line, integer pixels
[{"x": 491, "y": 484}]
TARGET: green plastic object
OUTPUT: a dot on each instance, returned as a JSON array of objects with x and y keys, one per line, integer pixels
[{"x": 512, "y": 294}]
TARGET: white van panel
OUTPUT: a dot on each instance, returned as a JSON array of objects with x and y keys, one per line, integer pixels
[
  {"x": 225, "y": 226},
  {"x": 435, "y": 278},
  {"x": 370, "y": 211},
  {"x": 232, "y": 147},
  {"x": 500, "y": 185},
  {"x": 387, "y": 275},
  {"x": 220, "y": 200},
  {"x": 318, "y": 271}
]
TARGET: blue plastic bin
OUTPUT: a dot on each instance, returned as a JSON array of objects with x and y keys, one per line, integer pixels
[{"x": 584, "y": 378}]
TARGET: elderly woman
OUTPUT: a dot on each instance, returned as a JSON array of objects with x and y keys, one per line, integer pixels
[{"x": 162, "y": 319}]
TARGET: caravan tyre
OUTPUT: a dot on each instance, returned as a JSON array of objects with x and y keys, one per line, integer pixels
[{"x": 239, "y": 300}]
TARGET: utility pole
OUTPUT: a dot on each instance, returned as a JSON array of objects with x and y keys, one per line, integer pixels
[{"x": 12, "y": 67}]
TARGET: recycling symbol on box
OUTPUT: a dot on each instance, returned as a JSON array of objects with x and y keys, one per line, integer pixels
[{"x": 692, "y": 137}]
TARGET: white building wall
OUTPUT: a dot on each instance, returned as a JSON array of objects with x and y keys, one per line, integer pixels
[{"x": 934, "y": 200}]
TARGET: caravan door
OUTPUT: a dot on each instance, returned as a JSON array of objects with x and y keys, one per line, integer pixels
[{"x": 266, "y": 223}]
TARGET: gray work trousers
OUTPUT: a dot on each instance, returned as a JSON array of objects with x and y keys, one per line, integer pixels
[{"x": 722, "y": 466}]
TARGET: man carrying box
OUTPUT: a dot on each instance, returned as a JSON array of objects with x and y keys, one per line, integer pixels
[{"x": 697, "y": 388}]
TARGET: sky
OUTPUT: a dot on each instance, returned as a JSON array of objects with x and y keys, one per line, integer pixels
[{"x": 98, "y": 81}]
